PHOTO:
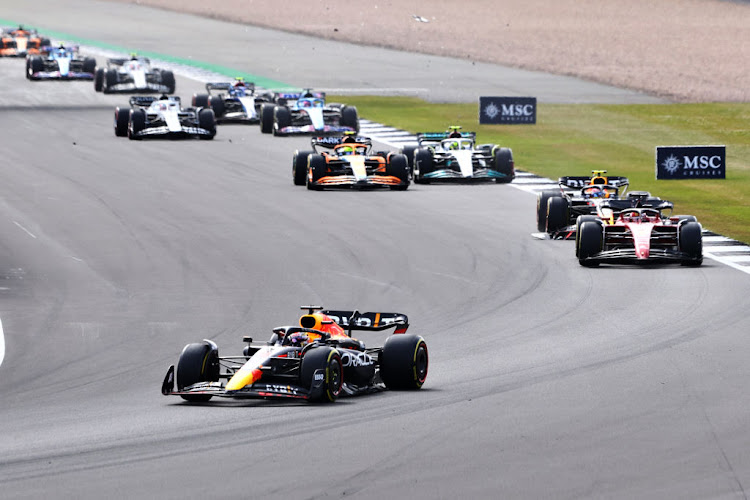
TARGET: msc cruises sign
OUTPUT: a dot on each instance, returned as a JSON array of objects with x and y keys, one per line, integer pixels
[
  {"x": 691, "y": 162},
  {"x": 507, "y": 110}
]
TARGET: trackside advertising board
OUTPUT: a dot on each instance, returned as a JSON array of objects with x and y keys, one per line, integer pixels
[
  {"x": 691, "y": 162},
  {"x": 507, "y": 110}
]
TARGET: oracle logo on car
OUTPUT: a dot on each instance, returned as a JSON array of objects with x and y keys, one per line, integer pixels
[
  {"x": 691, "y": 162},
  {"x": 507, "y": 110}
]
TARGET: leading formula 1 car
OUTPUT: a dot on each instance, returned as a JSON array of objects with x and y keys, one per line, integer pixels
[
  {"x": 455, "y": 155},
  {"x": 134, "y": 75},
  {"x": 348, "y": 162},
  {"x": 557, "y": 210},
  {"x": 315, "y": 361},
  {"x": 22, "y": 42},
  {"x": 306, "y": 113},
  {"x": 61, "y": 63},
  {"x": 164, "y": 116},
  {"x": 233, "y": 103},
  {"x": 640, "y": 235}
]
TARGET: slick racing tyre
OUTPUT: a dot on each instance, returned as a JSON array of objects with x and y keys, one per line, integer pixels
[
  {"x": 200, "y": 101},
  {"x": 110, "y": 80},
  {"x": 299, "y": 167},
  {"x": 217, "y": 104},
  {"x": 504, "y": 164},
  {"x": 541, "y": 209},
  {"x": 398, "y": 167},
  {"x": 350, "y": 118},
  {"x": 325, "y": 362},
  {"x": 282, "y": 118},
  {"x": 404, "y": 362},
  {"x": 207, "y": 121},
  {"x": 89, "y": 65},
  {"x": 558, "y": 214},
  {"x": 408, "y": 151},
  {"x": 34, "y": 65},
  {"x": 122, "y": 118},
  {"x": 99, "y": 79},
  {"x": 424, "y": 164},
  {"x": 579, "y": 222},
  {"x": 589, "y": 243},
  {"x": 199, "y": 362},
  {"x": 137, "y": 123},
  {"x": 316, "y": 170},
  {"x": 266, "y": 118},
  {"x": 691, "y": 243},
  {"x": 167, "y": 78}
]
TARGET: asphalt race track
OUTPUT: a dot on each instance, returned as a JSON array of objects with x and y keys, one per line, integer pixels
[{"x": 546, "y": 379}]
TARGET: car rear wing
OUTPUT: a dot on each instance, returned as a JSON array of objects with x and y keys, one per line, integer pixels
[
  {"x": 145, "y": 101},
  {"x": 330, "y": 142},
  {"x": 370, "y": 321},
  {"x": 581, "y": 181},
  {"x": 439, "y": 136},
  {"x": 283, "y": 97}
]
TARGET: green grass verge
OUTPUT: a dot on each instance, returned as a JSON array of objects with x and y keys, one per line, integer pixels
[{"x": 573, "y": 139}]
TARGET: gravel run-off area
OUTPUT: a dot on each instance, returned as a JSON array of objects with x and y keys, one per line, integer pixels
[{"x": 680, "y": 50}]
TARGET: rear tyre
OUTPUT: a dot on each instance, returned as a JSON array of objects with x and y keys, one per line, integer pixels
[
  {"x": 122, "y": 117},
  {"x": 558, "y": 214},
  {"x": 424, "y": 164},
  {"x": 350, "y": 118},
  {"x": 589, "y": 243},
  {"x": 266, "y": 118},
  {"x": 408, "y": 151},
  {"x": 99, "y": 79},
  {"x": 326, "y": 361},
  {"x": 282, "y": 118},
  {"x": 398, "y": 167},
  {"x": 316, "y": 170},
  {"x": 404, "y": 362},
  {"x": 207, "y": 121},
  {"x": 167, "y": 78},
  {"x": 299, "y": 167},
  {"x": 504, "y": 164},
  {"x": 200, "y": 100},
  {"x": 137, "y": 123},
  {"x": 199, "y": 362},
  {"x": 541, "y": 209},
  {"x": 691, "y": 243}
]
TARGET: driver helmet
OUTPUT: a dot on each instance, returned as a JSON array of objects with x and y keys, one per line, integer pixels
[
  {"x": 596, "y": 193},
  {"x": 298, "y": 339},
  {"x": 453, "y": 145},
  {"x": 133, "y": 56},
  {"x": 346, "y": 150},
  {"x": 306, "y": 104}
]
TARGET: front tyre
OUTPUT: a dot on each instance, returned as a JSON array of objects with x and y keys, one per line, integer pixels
[
  {"x": 122, "y": 118},
  {"x": 266, "y": 118},
  {"x": 207, "y": 121},
  {"x": 99, "y": 79},
  {"x": 299, "y": 167},
  {"x": 199, "y": 362},
  {"x": 398, "y": 167},
  {"x": 404, "y": 362},
  {"x": 323, "y": 372},
  {"x": 503, "y": 163},
  {"x": 316, "y": 170},
  {"x": 590, "y": 243},
  {"x": 691, "y": 243}
]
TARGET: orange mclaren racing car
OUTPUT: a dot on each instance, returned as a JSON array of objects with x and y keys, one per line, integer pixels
[
  {"x": 315, "y": 361},
  {"x": 349, "y": 162},
  {"x": 20, "y": 42}
]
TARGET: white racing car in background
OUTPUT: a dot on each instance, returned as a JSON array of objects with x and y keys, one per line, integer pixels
[
  {"x": 163, "y": 117},
  {"x": 134, "y": 75}
]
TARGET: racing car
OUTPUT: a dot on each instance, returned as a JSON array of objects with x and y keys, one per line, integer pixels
[
  {"x": 133, "y": 75},
  {"x": 557, "y": 210},
  {"x": 640, "y": 235},
  {"x": 233, "y": 103},
  {"x": 455, "y": 155},
  {"x": 348, "y": 162},
  {"x": 164, "y": 116},
  {"x": 316, "y": 361},
  {"x": 21, "y": 42},
  {"x": 306, "y": 113},
  {"x": 61, "y": 63}
]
